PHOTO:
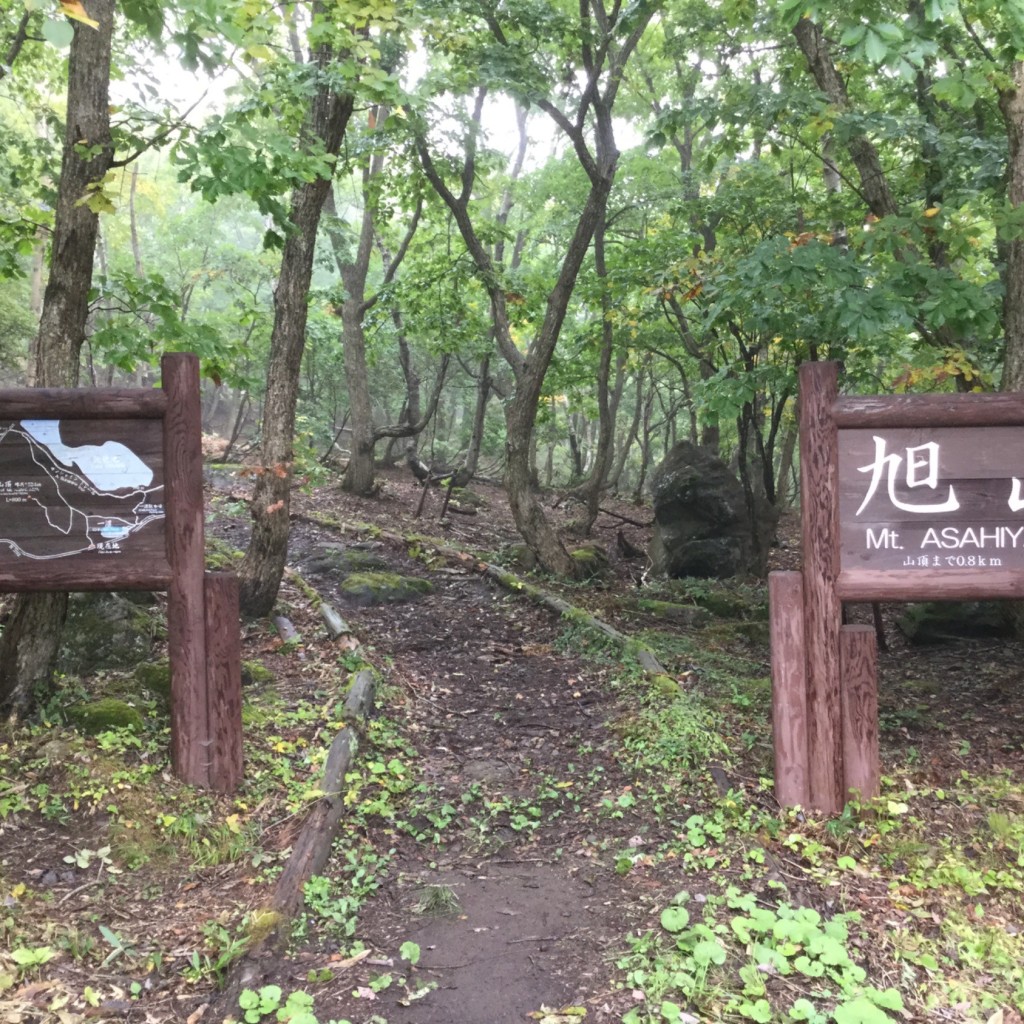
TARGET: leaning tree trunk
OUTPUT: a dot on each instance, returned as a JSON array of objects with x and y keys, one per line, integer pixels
[
  {"x": 263, "y": 565},
  {"x": 31, "y": 637}
]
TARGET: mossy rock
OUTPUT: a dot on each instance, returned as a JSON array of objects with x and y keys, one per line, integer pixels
[
  {"x": 107, "y": 631},
  {"x": 467, "y": 498},
  {"x": 665, "y": 686},
  {"x": 155, "y": 676},
  {"x": 98, "y": 716},
  {"x": 372, "y": 588},
  {"x": 937, "y": 622},
  {"x": 683, "y": 614},
  {"x": 519, "y": 556},
  {"x": 256, "y": 673},
  {"x": 591, "y": 560},
  {"x": 754, "y": 632},
  {"x": 740, "y": 603},
  {"x": 332, "y": 559}
]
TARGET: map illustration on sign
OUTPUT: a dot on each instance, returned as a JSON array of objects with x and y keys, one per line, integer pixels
[{"x": 73, "y": 488}]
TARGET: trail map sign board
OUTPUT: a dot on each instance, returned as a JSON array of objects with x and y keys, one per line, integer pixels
[
  {"x": 904, "y": 497},
  {"x": 82, "y": 490},
  {"x": 101, "y": 489}
]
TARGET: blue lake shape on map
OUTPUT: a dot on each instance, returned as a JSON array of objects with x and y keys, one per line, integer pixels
[
  {"x": 111, "y": 532},
  {"x": 109, "y": 466}
]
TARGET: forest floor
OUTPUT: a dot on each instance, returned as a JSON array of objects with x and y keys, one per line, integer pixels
[{"x": 534, "y": 828}]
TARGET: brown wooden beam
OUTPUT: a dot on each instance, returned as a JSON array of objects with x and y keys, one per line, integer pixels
[
  {"x": 191, "y": 736},
  {"x": 70, "y": 577},
  {"x": 789, "y": 688},
  {"x": 82, "y": 403},
  {"x": 224, "y": 680},
  {"x": 994, "y": 409},
  {"x": 819, "y": 501},
  {"x": 929, "y": 584},
  {"x": 859, "y": 654}
]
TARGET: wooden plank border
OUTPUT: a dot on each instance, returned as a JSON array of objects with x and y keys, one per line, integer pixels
[
  {"x": 1002, "y": 409},
  {"x": 85, "y": 404}
]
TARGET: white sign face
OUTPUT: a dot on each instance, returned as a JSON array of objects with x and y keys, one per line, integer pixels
[
  {"x": 932, "y": 498},
  {"x": 81, "y": 489}
]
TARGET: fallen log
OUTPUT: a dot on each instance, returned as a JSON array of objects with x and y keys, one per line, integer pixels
[
  {"x": 285, "y": 630},
  {"x": 359, "y": 701},
  {"x": 271, "y": 926},
  {"x": 336, "y": 625}
]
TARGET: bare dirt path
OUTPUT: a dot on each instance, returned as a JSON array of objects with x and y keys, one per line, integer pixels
[{"x": 513, "y": 734}]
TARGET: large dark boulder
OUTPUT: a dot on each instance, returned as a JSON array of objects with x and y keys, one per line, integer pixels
[{"x": 702, "y": 524}]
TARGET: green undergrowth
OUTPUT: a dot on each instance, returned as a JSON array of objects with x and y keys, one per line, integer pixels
[
  {"x": 905, "y": 907},
  {"x": 119, "y": 824}
]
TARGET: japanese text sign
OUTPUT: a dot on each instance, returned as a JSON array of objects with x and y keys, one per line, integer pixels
[{"x": 931, "y": 498}]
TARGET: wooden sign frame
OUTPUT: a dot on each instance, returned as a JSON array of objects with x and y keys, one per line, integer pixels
[
  {"x": 824, "y": 673},
  {"x": 204, "y": 642}
]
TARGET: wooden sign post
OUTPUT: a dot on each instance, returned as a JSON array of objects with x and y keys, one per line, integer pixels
[
  {"x": 905, "y": 497},
  {"x": 101, "y": 489}
]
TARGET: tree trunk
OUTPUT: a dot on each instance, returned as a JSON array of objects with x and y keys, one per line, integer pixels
[
  {"x": 476, "y": 440},
  {"x": 607, "y": 403},
  {"x": 359, "y": 474},
  {"x": 1011, "y": 103},
  {"x": 626, "y": 445},
  {"x": 645, "y": 447},
  {"x": 873, "y": 182},
  {"x": 263, "y": 566},
  {"x": 31, "y": 637}
]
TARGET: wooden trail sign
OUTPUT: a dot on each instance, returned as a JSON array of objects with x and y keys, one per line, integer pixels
[
  {"x": 906, "y": 497},
  {"x": 101, "y": 489}
]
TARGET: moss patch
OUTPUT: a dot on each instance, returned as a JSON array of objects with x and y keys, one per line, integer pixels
[
  {"x": 98, "y": 716},
  {"x": 372, "y": 588},
  {"x": 467, "y": 498},
  {"x": 107, "y": 631},
  {"x": 256, "y": 673},
  {"x": 684, "y": 614},
  {"x": 156, "y": 678},
  {"x": 331, "y": 559},
  {"x": 591, "y": 560}
]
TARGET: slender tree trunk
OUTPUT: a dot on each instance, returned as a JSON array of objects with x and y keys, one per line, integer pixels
[
  {"x": 263, "y": 565},
  {"x": 575, "y": 451},
  {"x": 645, "y": 447},
  {"x": 476, "y": 440},
  {"x": 31, "y": 637},
  {"x": 589, "y": 125},
  {"x": 627, "y": 444},
  {"x": 1011, "y": 103},
  {"x": 607, "y": 403},
  {"x": 359, "y": 474},
  {"x": 874, "y": 184}
]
